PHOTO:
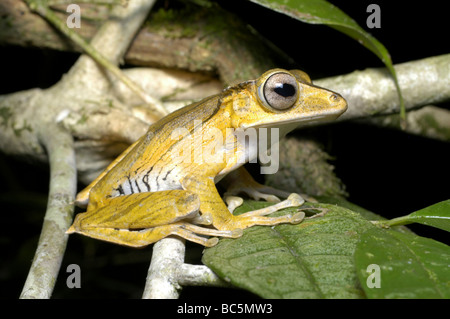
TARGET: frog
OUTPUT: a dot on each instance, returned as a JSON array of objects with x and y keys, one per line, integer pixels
[{"x": 158, "y": 188}]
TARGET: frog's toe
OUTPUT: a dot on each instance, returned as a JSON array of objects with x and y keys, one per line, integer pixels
[
  {"x": 297, "y": 218},
  {"x": 295, "y": 199},
  {"x": 237, "y": 232},
  {"x": 270, "y": 198},
  {"x": 233, "y": 202},
  {"x": 257, "y": 195},
  {"x": 71, "y": 230},
  {"x": 211, "y": 242},
  {"x": 203, "y": 219}
]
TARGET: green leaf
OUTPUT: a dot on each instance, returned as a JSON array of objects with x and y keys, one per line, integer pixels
[
  {"x": 323, "y": 12},
  {"x": 410, "y": 266},
  {"x": 313, "y": 259},
  {"x": 437, "y": 215},
  {"x": 353, "y": 207}
]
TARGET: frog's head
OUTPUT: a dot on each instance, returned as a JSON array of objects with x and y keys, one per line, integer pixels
[{"x": 281, "y": 98}]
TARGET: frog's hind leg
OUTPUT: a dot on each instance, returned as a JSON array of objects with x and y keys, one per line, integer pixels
[
  {"x": 141, "y": 219},
  {"x": 140, "y": 210},
  {"x": 145, "y": 237}
]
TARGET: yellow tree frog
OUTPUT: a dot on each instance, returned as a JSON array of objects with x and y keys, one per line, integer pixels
[{"x": 160, "y": 186}]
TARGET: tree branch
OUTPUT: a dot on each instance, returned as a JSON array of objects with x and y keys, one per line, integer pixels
[
  {"x": 117, "y": 32},
  {"x": 168, "y": 272},
  {"x": 45, "y": 128},
  {"x": 199, "y": 275},
  {"x": 429, "y": 121},
  {"x": 372, "y": 91},
  {"x": 167, "y": 258},
  {"x": 58, "y": 217},
  {"x": 200, "y": 39}
]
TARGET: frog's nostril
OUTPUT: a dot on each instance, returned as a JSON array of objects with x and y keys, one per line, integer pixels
[{"x": 334, "y": 97}]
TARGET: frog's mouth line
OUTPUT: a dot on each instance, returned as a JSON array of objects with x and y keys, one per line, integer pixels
[{"x": 297, "y": 122}]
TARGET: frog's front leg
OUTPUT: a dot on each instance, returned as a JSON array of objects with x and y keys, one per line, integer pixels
[
  {"x": 240, "y": 181},
  {"x": 223, "y": 219},
  {"x": 141, "y": 219}
]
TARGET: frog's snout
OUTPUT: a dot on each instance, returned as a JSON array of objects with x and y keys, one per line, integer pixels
[{"x": 338, "y": 102}]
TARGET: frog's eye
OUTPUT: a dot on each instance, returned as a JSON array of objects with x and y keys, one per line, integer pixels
[{"x": 279, "y": 91}]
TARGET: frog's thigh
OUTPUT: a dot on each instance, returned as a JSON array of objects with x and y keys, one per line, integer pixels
[{"x": 140, "y": 210}]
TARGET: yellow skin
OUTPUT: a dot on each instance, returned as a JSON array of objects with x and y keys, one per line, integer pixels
[{"x": 151, "y": 191}]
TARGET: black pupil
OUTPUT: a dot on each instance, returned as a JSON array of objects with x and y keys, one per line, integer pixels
[{"x": 284, "y": 89}]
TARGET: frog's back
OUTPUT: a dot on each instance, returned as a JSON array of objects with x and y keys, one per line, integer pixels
[{"x": 151, "y": 165}]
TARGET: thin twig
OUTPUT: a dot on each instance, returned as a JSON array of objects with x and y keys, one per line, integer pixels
[
  {"x": 58, "y": 217},
  {"x": 199, "y": 275},
  {"x": 167, "y": 258}
]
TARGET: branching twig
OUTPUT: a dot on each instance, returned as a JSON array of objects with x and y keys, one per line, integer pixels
[
  {"x": 167, "y": 258},
  {"x": 52, "y": 242},
  {"x": 168, "y": 272},
  {"x": 199, "y": 275},
  {"x": 135, "y": 12},
  {"x": 58, "y": 142}
]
